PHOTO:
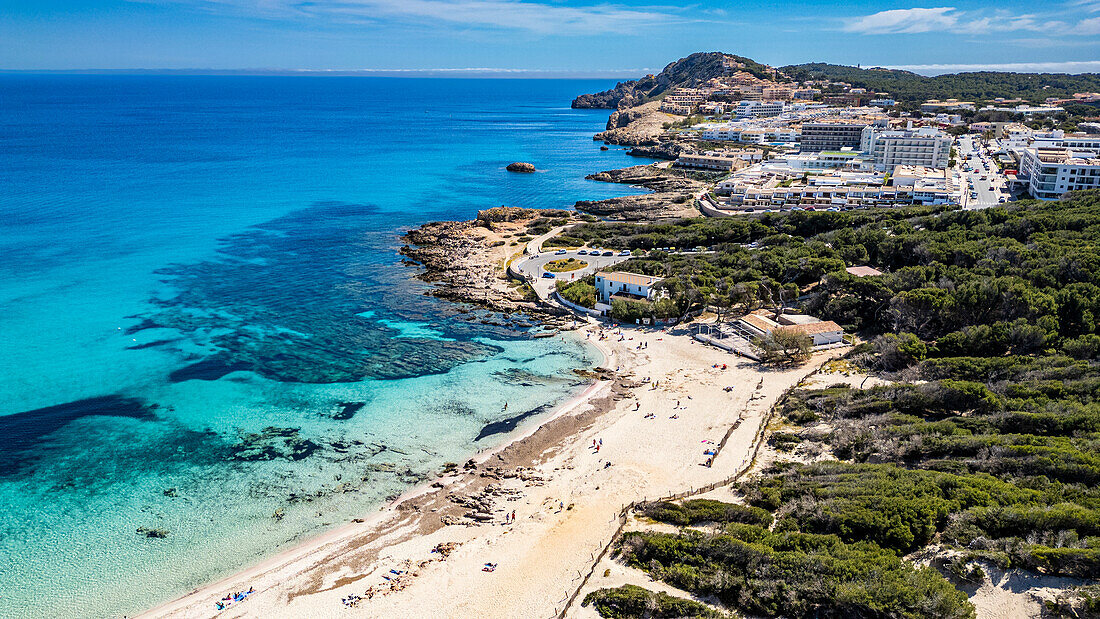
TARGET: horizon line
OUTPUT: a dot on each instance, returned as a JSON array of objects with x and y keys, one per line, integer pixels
[
  {"x": 438, "y": 72},
  {"x": 927, "y": 70}
]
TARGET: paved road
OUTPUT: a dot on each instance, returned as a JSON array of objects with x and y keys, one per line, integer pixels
[
  {"x": 535, "y": 267},
  {"x": 990, "y": 190}
]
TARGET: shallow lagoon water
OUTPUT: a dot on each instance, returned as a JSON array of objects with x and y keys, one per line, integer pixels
[{"x": 208, "y": 330}]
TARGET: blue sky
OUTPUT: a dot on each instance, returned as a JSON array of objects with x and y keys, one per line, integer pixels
[{"x": 625, "y": 36}]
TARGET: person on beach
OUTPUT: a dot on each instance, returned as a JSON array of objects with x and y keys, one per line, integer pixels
[{"x": 513, "y": 516}]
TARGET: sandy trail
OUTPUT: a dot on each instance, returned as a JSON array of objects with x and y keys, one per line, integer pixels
[{"x": 566, "y": 503}]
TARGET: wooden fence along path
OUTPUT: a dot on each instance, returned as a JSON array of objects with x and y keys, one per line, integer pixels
[{"x": 624, "y": 513}]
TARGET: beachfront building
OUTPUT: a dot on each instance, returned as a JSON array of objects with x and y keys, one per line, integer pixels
[
  {"x": 888, "y": 148},
  {"x": 623, "y": 285},
  {"x": 719, "y": 160},
  {"x": 1048, "y": 173},
  {"x": 822, "y": 161},
  {"x": 774, "y": 187},
  {"x": 739, "y": 132},
  {"x": 831, "y": 136},
  {"x": 763, "y": 323}
]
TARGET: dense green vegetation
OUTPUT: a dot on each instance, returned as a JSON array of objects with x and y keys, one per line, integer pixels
[
  {"x": 634, "y": 602},
  {"x": 1018, "y": 278},
  {"x": 985, "y": 442},
  {"x": 698, "y": 511},
  {"x": 983, "y": 85},
  {"x": 793, "y": 574}
]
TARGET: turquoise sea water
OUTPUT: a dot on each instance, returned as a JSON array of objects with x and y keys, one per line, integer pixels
[{"x": 205, "y": 321}]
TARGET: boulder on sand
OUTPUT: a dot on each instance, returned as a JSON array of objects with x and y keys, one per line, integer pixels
[{"x": 520, "y": 166}]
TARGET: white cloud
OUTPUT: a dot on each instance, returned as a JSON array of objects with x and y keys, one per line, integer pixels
[
  {"x": 904, "y": 21},
  {"x": 1087, "y": 27},
  {"x": 539, "y": 17},
  {"x": 952, "y": 20},
  {"x": 1075, "y": 66}
]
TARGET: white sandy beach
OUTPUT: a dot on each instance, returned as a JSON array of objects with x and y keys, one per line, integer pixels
[{"x": 566, "y": 503}]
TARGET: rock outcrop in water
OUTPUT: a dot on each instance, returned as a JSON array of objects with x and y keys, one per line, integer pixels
[
  {"x": 521, "y": 166},
  {"x": 273, "y": 443}
]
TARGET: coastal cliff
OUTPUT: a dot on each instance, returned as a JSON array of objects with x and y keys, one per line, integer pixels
[
  {"x": 685, "y": 72},
  {"x": 637, "y": 126}
]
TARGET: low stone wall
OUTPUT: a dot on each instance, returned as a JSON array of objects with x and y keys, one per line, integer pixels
[{"x": 573, "y": 306}]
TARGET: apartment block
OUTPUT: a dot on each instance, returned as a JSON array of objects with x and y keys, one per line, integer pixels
[
  {"x": 831, "y": 136},
  {"x": 888, "y": 148},
  {"x": 1051, "y": 172}
]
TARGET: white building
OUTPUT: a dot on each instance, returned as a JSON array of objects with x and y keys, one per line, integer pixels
[
  {"x": 1051, "y": 172},
  {"x": 626, "y": 285},
  {"x": 719, "y": 160},
  {"x": 759, "y": 109},
  {"x": 825, "y": 160},
  {"x": 763, "y": 323},
  {"x": 1026, "y": 110},
  {"x": 1060, "y": 139},
  {"x": 889, "y": 148}
]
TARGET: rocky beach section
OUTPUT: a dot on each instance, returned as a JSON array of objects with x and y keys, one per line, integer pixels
[
  {"x": 467, "y": 261},
  {"x": 673, "y": 194}
]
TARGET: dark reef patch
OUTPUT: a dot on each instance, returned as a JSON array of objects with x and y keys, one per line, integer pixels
[
  {"x": 281, "y": 299},
  {"x": 152, "y": 344},
  {"x": 24, "y": 431},
  {"x": 347, "y": 410},
  {"x": 520, "y": 376},
  {"x": 208, "y": 369},
  {"x": 507, "y": 425},
  {"x": 272, "y": 443}
]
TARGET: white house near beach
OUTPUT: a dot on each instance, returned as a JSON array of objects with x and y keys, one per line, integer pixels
[
  {"x": 626, "y": 285},
  {"x": 762, "y": 323}
]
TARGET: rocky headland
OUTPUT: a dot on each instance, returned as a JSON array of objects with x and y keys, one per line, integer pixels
[
  {"x": 466, "y": 261},
  {"x": 686, "y": 72},
  {"x": 672, "y": 197}
]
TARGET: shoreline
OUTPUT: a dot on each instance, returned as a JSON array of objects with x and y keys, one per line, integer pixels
[
  {"x": 364, "y": 526},
  {"x": 539, "y": 469}
]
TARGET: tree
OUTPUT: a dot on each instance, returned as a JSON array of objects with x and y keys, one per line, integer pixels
[{"x": 785, "y": 346}]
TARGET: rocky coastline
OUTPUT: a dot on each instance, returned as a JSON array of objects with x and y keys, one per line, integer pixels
[
  {"x": 672, "y": 196},
  {"x": 466, "y": 261}
]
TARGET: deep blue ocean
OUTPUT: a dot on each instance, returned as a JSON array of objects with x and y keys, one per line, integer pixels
[{"x": 207, "y": 333}]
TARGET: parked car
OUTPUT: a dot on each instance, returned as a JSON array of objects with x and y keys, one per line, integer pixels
[
  {"x": 548, "y": 275},
  {"x": 583, "y": 252},
  {"x": 560, "y": 252},
  {"x": 625, "y": 252},
  {"x": 609, "y": 253}
]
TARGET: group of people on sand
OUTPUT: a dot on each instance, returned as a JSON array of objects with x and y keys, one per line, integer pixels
[
  {"x": 510, "y": 518},
  {"x": 236, "y": 596},
  {"x": 596, "y": 444}
]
